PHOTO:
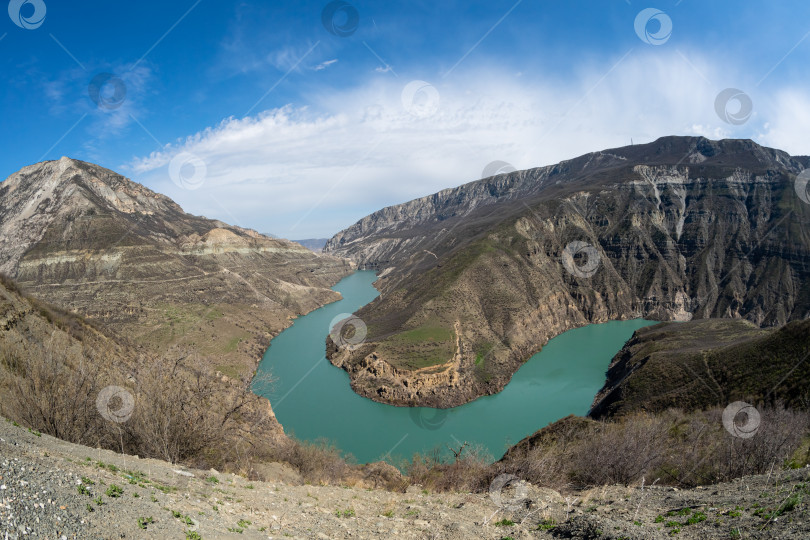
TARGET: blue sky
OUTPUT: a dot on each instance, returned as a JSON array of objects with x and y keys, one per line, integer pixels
[{"x": 255, "y": 113}]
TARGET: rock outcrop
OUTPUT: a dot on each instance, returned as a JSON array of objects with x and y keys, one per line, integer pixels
[{"x": 679, "y": 229}]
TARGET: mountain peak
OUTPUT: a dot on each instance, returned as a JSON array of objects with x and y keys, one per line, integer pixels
[
  {"x": 690, "y": 150},
  {"x": 55, "y": 199},
  {"x": 86, "y": 183}
]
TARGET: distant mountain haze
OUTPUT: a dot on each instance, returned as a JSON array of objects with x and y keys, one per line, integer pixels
[{"x": 314, "y": 244}]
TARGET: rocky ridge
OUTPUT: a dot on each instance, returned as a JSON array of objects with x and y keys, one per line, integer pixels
[{"x": 682, "y": 228}]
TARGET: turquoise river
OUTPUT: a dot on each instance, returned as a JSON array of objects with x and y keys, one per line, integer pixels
[{"x": 313, "y": 400}]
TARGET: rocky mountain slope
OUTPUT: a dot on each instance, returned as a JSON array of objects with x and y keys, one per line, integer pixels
[
  {"x": 476, "y": 279},
  {"x": 709, "y": 362},
  {"x": 87, "y": 239},
  {"x": 53, "y": 489}
]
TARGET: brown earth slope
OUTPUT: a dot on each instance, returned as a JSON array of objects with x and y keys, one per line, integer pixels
[{"x": 476, "y": 279}]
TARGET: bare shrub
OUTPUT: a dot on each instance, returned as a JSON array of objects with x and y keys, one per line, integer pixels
[
  {"x": 672, "y": 447},
  {"x": 540, "y": 466},
  {"x": 620, "y": 452},
  {"x": 318, "y": 462},
  {"x": 52, "y": 387},
  {"x": 781, "y": 432},
  {"x": 677, "y": 448},
  {"x": 174, "y": 417},
  {"x": 714, "y": 455},
  {"x": 464, "y": 468},
  {"x": 182, "y": 412}
]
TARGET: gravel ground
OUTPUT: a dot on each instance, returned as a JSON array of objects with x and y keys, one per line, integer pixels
[{"x": 52, "y": 489}]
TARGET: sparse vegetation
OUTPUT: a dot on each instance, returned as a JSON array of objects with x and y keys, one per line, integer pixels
[
  {"x": 347, "y": 513},
  {"x": 114, "y": 491},
  {"x": 546, "y": 524},
  {"x": 683, "y": 449},
  {"x": 678, "y": 448}
]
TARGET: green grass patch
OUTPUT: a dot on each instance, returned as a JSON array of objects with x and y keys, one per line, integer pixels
[
  {"x": 425, "y": 333},
  {"x": 232, "y": 345},
  {"x": 114, "y": 491},
  {"x": 426, "y": 346},
  {"x": 213, "y": 314},
  {"x": 482, "y": 351},
  {"x": 695, "y": 518}
]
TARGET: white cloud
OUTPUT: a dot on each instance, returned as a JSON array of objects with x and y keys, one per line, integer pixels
[
  {"x": 788, "y": 122},
  {"x": 300, "y": 172},
  {"x": 324, "y": 65}
]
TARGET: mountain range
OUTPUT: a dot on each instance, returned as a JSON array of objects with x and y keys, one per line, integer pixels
[
  {"x": 105, "y": 282},
  {"x": 476, "y": 279}
]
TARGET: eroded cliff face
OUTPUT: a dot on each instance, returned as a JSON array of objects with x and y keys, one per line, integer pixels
[
  {"x": 87, "y": 239},
  {"x": 680, "y": 229}
]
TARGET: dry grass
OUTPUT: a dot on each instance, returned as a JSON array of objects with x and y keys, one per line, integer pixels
[{"x": 675, "y": 448}]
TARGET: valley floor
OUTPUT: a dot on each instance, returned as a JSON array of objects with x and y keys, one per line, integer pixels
[{"x": 52, "y": 489}]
